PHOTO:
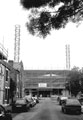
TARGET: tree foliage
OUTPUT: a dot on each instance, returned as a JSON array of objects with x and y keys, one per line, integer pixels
[
  {"x": 75, "y": 81},
  {"x": 42, "y": 20}
]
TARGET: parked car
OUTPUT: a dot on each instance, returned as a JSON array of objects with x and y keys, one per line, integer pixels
[
  {"x": 71, "y": 105},
  {"x": 5, "y": 114},
  {"x": 62, "y": 99},
  {"x": 36, "y": 99},
  {"x": 21, "y": 105},
  {"x": 32, "y": 102},
  {"x": 81, "y": 99},
  {"x": 54, "y": 97}
]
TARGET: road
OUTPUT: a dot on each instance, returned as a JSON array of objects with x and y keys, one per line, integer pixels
[{"x": 47, "y": 109}]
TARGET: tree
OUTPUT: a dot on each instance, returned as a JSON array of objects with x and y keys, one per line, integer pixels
[
  {"x": 74, "y": 81},
  {"x": 81, "y": 82},
  {"x": 44, "y": 15},
  {"x": 76, "y": 69},
  {"x": 73, "y": 84}
]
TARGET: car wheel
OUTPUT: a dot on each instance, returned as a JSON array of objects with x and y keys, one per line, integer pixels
[
  {"x": 64, "y": 111},
  {"x": 59, "y": 103},
  {"x": 79, "y": 112},
  {"x": 13, "y": 109},
  {"x": 31, "y": 105},
  {"x": 26, "y": 109},
  {"x": 10, "y": 118}
]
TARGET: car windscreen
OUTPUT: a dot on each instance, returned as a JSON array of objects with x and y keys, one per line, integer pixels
[
  {"x": 63, "y": 98},
  {"x": 21, "y": 101},
  {"x": 1, "y": 110},
  {"x": 72, "y": 102}
]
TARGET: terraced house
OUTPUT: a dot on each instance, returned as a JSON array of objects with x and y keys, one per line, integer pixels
[
  {"x": 10, "y": 78},
  {"x": 4, "y": 76}
]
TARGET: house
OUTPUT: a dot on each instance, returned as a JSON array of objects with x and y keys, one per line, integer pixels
[{"x": 4, "y": 82}]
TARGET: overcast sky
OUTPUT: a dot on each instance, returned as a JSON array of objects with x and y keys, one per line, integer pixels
[{"x": 39, "y": 53}]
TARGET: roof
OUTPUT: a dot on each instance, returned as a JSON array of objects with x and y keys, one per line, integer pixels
[
  {"x": 18, "y": 65},
  {"x": 3, "y": 52},
  {"x": 5, "y": 64}
]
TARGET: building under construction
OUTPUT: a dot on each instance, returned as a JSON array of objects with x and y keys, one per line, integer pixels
[{"x": 45, "y": 82}]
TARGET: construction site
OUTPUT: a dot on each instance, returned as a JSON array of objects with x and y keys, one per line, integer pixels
[
  {"x": 37, "y": 82},
  {"x": 47, "y": 82}
]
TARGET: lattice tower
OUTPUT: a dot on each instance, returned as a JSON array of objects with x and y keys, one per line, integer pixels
[
  {"x": 17, "y": 44},
  {"x": 68, "y": 56}
]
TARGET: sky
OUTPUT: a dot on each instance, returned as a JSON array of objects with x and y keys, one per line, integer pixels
[{"x": 38, "y": 53}]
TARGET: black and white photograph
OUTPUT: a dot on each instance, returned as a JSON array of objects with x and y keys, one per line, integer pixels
[{"x": 41, "y": 60}]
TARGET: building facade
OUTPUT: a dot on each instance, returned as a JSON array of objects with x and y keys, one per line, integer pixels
[
  {"x": 4, "y": 76},
  {"x": 10, "y": 78},
  {"x": 4, "y": 82},
  {"x": 19, "y": 83},
  {"x": 45, "y": 82}
]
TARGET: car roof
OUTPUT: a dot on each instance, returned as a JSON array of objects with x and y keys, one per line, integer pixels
[
  {"x": 72, "y": 101},
  {"x": 20, "y": 99},
  {"x": 63, "y": 97}
]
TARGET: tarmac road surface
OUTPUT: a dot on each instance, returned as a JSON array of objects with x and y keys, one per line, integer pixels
[{"x": 47, "y": 109}]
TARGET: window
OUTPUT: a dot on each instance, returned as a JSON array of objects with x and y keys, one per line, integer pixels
[
  {"x": 5, "y": 94},
  {"x": 6, "y": 75},
  {"x": 0, "y": 93},
  {"x": 0, "y": 69}
]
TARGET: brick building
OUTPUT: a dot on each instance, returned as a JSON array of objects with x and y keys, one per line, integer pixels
[
  {"x": 10, "y": 78},
  {"x": 4, "y": 82},
  {"x": 4, "y": 76},
  {"x": 17, "y": 75}
]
